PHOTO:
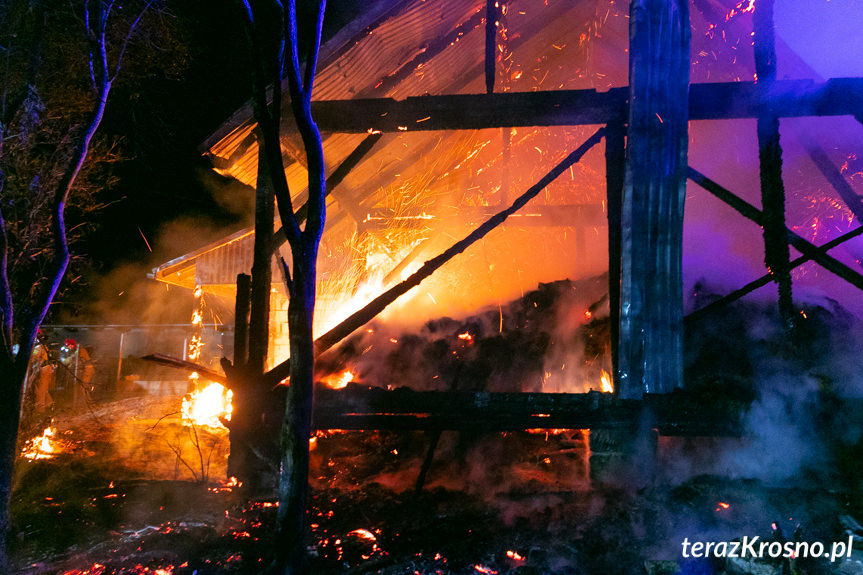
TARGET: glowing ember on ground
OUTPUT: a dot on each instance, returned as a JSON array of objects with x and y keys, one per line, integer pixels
[
  {"x": 605, "y": 382},
  {"x": 207, "y": 405},
  {"x": 339, "y": 381},
  {"x": 546, "y": 432},
  {"x": 722, "y": 505},
  {"x": 226, "y": 486},
  {"x": 44, "y": 446},
  {"x": 466, "y": 336},
  {"x": 514, "y": 556},
  {"x": 484, "y": 569},
  {"x": 364, "y": 534}
]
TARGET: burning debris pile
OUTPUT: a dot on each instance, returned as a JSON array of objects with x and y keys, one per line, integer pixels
[{"x": 553, "y": 339}]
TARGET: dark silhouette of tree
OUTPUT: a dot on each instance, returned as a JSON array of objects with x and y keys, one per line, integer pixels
[
  {"x": 60, "y": 63},
  {"x": 273, "y": 37}
]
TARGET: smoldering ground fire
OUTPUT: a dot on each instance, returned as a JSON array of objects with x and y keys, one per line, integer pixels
[{"x": 540, "y": 401}]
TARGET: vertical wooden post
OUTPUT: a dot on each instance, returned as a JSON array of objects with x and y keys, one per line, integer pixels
[
  {"x": 615, "y": 167},
  {"x": 262, "y": 267},
  {"x": 776, "y": 253},
  {"x": 490, "y": 43},
  {"x": 241, "y": 319},
  {"x": 651, "y": 305}
]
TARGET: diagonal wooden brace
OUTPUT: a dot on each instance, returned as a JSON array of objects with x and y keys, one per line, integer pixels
[{"x": 802, "y": 245}]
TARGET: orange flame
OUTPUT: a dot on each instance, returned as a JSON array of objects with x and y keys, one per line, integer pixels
[
  {"x": 42, "y": 446},
  {"x": 605, "y": 382},
  {"x": 206, "y": 406},
  {"x": 339, "y": 381}
]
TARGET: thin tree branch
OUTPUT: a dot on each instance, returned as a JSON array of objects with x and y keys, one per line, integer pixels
[
  {"x": 6, "y": 305},
  {"x": 315, "y": 48},
  {"x": 60, "y": 261},
  {"x": 293, "y": 63},
  {"x": 91, "y": 39},
  {"x": 301, "y": 103},
  {"x": 102, "y": 25},
  {"x": 268, "y": 125},
  {"x": 128, "y": 37}
]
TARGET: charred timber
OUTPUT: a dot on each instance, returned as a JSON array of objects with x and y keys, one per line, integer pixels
[
  {"x": 169, "y": 361},
  {"x": 371, "y": 408},
  {"x": 776, "y": 253},
  {"x": 650, "y": 346},
  {"x": 750, "y": 212},
  {"x": 712, "y": 101},
  {"x": 767, "y": 278}
]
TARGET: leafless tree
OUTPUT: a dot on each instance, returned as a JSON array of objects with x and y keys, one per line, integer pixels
[
  {"x": 34, "y": 211},
  {"x": 277, "y": 59}
]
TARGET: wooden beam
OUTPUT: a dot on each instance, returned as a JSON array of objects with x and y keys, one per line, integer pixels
[
  {"x": 615, "y": 166},
  {"x": 802, "y": 245},
  {"x": 241, "y": 319},
  {"x": 766, "y": 278},
  {"x": 711, "y": 101},
  {"x": 471, "y": 111},
  {"x": 777, "y": 258},
  {"x": 360, "y": 407},
  {"x": 490, "y": 43},
  {"x": 184, "y": 365}
]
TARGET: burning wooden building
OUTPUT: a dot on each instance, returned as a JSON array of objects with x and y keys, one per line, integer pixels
[
  {"x": 526, "y": 143},
  {"x": 531, "y": 142},
  {"x": 437, "y": 116}
]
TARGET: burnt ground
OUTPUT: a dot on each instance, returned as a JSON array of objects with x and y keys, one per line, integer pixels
[
  {"x": 504, "y": 503},
  {"x": 514, "y": 503}
]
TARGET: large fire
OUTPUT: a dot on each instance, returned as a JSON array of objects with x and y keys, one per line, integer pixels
[{"x": 207, "y": 406}]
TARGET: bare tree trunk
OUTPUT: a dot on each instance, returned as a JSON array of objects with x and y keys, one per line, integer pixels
[
  {"x": 297, "y": 424},
  {"x": 11, "y": 388},
  {"x": 262, "y": 269},
  {"x": 18, "y": 330},
  {"x": 301, "y": 280}
]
